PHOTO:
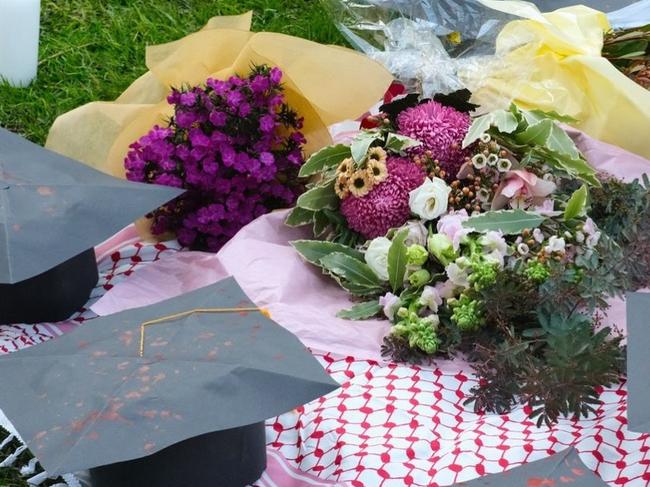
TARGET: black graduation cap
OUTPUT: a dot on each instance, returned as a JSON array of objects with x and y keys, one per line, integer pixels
[
  {"x": 563, "y": 468},
  {"x": 53, "y": 211},
  {"x": 638, "y": 365},
  {"x": 167, "y": 395}
]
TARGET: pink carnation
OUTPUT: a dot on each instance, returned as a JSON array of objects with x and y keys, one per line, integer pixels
[
  {"x": 441, "y": 130},
  {"x": 386, "y": 206}
]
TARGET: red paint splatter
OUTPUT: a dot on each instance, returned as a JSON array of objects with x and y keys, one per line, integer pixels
[
  {"x": 126, "y": 338},
  {"x": 40, "y": 435},
  {"x": 111, "y": 413},
  {"x": 540, "y": 482}
]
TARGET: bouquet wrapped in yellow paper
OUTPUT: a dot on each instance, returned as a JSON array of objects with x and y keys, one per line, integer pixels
[
  {"x": 565, "y": 73},
  {"x": 324, "y": 84},
  {"x": 507, "y": 51}
]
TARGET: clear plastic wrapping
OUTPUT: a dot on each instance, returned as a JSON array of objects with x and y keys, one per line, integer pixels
[
  {"x": 425, "y": 43},
  {"x": 443, "y": 45}
]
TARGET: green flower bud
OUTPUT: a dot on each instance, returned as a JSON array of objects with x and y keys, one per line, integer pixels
[
  {"x": 467, "y": 314},
  {"x": 537, "y": 272},
  {"x": 442, "y": 248},
  {"x": 483, "y": 274},
  {"x": 416, "y": 255},
  {"x": 423, "y": 336},
  {"x": 420, "y": 278},
  {"x": 402, "y": 312}
]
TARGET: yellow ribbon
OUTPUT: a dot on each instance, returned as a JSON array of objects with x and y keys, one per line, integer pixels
[{"x": 182, "y": 314}]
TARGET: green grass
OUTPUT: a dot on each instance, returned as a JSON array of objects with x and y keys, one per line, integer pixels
[{"x": 93, "y": 49}]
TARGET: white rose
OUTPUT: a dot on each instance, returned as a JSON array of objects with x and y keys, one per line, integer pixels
[
  {"x": 430, "y": 200},
  {"x": 377, "y": 257}
]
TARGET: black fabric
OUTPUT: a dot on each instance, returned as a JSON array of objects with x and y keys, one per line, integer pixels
[
  {"x": 53, "y": 295},
  {"x": 229, "y": 458}
]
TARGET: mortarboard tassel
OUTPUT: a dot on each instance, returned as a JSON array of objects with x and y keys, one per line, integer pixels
[{"x": 175, "y": 316}]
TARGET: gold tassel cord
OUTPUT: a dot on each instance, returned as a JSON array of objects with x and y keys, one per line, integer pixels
[{"x": 183, "y": 314}]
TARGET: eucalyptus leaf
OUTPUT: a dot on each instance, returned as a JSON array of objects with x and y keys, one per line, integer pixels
[
  {"x": 361, "y": 311},
  {"x": 299, "y": 216},
  {"x": 362, "y": 143},
  {"x": 352, "y": 270},
  {"x": 319, "y": 197},
  {"x": 314, "y": 250},
  {"x": 576, "y": 204},
  {"x": 328, "y": 157},
  {"x": 397, "y": 261},
  {"x": 510, "y": 222}
]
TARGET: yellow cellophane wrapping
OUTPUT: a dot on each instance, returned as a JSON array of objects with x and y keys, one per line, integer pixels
[
  {"x": 553, "y": 62},
  {"x": 324, "y": 84}
]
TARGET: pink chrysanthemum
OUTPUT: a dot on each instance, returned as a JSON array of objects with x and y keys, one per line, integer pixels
[
  {"x": 441, "y": 130},
  {"x": 387, "y": 205}
]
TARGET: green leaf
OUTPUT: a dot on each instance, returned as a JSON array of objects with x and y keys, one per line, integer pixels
[
  {"x": 560, "y": 142},
  {"x": 510, "y": 222},
  {"x": 361, "y": 311},
  {"x": 325, "y": 158},
  {"x": 298, "y": 217},
  {"x": 362, "y": 143},
  {"x": 314, "y": 250},
  {"x": 537, "y": 134},
  {"x": 321, "y": 222},
  {"x": 398, "y": 143},
  {"x": 479, "y": 126},
  {"x": 576, "y": 203},
  {"x": 397, "y": 261},
  {"x": 352, "y": 270},
  {"x": 627, "y": 49},
  {"x": 505, "y": 121},
  {"x": 577, "y": 167},
  {"x": 554, "y": 115},
  {"x": 319, "y": 198}
]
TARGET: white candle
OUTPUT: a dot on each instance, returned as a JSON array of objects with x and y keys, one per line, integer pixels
[{"x": 19, "y": 29}]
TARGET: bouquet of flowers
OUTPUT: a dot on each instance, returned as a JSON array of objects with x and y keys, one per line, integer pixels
[
  {"x": 490, "y": 237},
  {"x": 235, "y": 145},
  {"x": 629, "y": 51}
]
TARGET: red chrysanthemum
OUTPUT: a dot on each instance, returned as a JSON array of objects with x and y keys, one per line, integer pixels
[
  {"x": 387, "y": 204},
  {"x": 441, "y": 130}
]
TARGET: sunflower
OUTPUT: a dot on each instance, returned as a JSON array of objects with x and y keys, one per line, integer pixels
[
  {"x": 359, "y": 183},
  {"x": 377, "y": 154},
  {"x": 341, "y": 186},
  {"x": 346, "y": 167},
  {"x": 377, "y": 171}
]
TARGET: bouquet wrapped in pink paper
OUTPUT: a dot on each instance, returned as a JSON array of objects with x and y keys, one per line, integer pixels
[{"x": 490, "y": 237}]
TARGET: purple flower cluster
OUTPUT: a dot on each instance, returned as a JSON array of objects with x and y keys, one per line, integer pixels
[{"x": 234, "y": 145}]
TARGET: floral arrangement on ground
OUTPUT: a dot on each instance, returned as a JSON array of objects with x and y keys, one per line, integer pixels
[
  {"x": 489, "y": 237},
  {"x": 235, "y": 145}
]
